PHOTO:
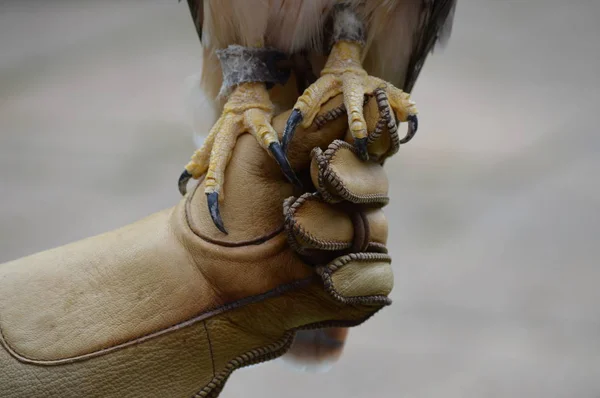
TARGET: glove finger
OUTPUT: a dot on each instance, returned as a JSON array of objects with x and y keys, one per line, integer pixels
[
  {"x": 347, "y": 229},
  {"x": 305, "y": 140},
  {"x": 339, "y": 174},
  {"x": 321, "y": 135},
  {"x": 359, "y": 278}
]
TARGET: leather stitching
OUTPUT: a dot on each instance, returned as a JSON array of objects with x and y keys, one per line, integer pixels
[
  {"x": 252, "y": 242},
  {"x": 385, "y": 120},
  {"x": 302, "y": 233},
  {"x": 376, "y": 247},
  {"x": 271, "y": 351},
  {"x": 327, "y": 270},
  {"x": 210, "y": 348},
  {"x": 328, "y": 175},
  {"x": 257, "y": 355},
  {"x": 277, "y": 291}
]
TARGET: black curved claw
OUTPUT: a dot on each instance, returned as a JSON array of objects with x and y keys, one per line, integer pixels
[
  {"x": 290, "y": 128},
  {"x": 212, "y": 199},
  {"x": 361, "y": 147},
  {"x": 413, "y": 125},
  {"x": 183, "y": 180},
  {"x": 282, "y": 160}
]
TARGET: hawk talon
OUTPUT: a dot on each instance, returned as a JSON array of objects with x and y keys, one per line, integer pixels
[
  {"x": 344, "y": 74},
  {"x": 212, "y": 198},
  {"x": 247, "y": 110},
  {"x": 284, "y": 164},
  {"x": 292, "y": 123},
  {"x": 182, "y": 182},
  {"x": 413, "y": 125},
  {"x": 361, "y": 146}
]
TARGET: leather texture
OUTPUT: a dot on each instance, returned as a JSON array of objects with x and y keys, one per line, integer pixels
[{"x": 170, "y": 306}]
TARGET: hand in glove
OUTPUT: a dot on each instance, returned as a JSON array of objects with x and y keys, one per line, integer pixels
[{"x": 170, "y": 306}]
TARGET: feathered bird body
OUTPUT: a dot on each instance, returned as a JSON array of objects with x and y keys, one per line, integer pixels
[{"x": 400, "y": 34}]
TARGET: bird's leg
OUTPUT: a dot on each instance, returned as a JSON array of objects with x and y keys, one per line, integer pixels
[
  {"x": 248, "y": 109},
  {"x": 343, "y": 73}
]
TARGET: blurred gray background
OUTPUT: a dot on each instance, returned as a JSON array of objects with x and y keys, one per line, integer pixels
[{"x": 495, "y": 209}]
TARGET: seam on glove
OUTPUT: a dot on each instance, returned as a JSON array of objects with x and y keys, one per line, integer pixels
[
  {"x": 328, "y": 177},
  {"x": 290, "y": 206},
  {"x": 251, "y": 242},
  {"x": 277, "y": 291},
  {"x": 377, "y": 247},
  {"x": 322, "y": 165},
  {"x": 266, "y": 353},
  {"x": 387, "y": 119},
  {"x": 210, "y": 348},
  {"x": 257, "y": 355},
  {"x": 362, "y": 231},
  {"x": 327, "y": 270}
]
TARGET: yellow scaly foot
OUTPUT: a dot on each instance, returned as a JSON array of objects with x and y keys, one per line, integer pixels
[
  {"x": 248, "y": 109},
  {"x": 343, "y": 73}
]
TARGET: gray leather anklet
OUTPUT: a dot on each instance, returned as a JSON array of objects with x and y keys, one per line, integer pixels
[{"x": 248, "y": 64}]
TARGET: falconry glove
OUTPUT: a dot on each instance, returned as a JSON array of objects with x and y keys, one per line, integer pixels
[{"x": 169, "y": 306}]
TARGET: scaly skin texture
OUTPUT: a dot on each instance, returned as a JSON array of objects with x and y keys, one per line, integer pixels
[
  {"x": 248, "y": 110},
  {"x": 343, "y": 73}
]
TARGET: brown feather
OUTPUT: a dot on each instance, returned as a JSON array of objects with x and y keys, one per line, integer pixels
[
  {"x": 435, "y": 27},
  {"x": 391, "y": 26},
  {"x": 197, "y": 12},
  {"x": 400, "y": 33}
]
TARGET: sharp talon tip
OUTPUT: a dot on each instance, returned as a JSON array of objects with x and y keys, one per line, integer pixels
[
  {"x": 413, "y": 125},
  {"x": 282, "y": 160},
  {"x": 212, "y": 199},
  {"x": 414, "y": 120},
  {"x": 290, "y": 128},
  {"x": 361, "y": 146},
  {"x": 183, "y": 180}
]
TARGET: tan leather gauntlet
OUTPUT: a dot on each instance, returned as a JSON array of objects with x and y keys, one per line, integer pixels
[{"x": 169, "y": 306}]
